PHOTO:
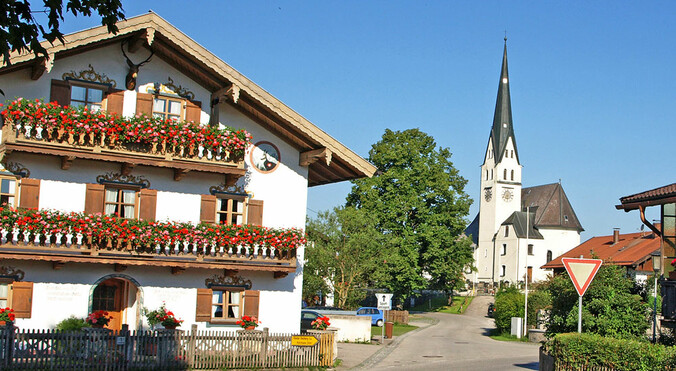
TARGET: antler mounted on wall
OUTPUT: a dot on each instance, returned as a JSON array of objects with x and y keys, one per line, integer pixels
[{"x": 130, "y": 79}]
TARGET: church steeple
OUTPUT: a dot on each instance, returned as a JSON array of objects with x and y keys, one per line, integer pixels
[{"x": 502, "y": 118}]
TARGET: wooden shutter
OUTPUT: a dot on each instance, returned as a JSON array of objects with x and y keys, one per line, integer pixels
[
  {"x": 60, "y": 92},
  {"x": 255, "y": 212},
  {"x": 30, "y": 193},
  {"x": 193, "y": 111},
  {"x": 251, "y": 303},
  {"x": 203, "y": 309},
  {"x": 115, "y": 101},
  {"x": 144, "y": 103},
  {"x": 22, "y": 299},
  {"x": 94, "y": 199},
  {"x": 208, "y": 209},
  {"x": 147, "y": 205}
]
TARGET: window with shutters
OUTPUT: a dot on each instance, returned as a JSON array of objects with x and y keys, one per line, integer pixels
[
  {"x": 167, "y": 108},
  {"x": 226, "y": 304},
  {"x": 89, "y": 96},
  {"x": 16, "y": 295},
  {"x": 231, "y": 209},
  {"x": 4, "y": 294},
  {"x": 121, "y": 202},
  {"x": 8, "y": 191}
]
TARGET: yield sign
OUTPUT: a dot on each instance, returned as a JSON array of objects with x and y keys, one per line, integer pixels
[{"x": 581, "y": 272}]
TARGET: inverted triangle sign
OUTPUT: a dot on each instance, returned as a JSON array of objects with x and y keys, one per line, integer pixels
[{"x": 581, "y": 272}]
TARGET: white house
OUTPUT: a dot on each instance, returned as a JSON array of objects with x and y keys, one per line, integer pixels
[
  {"x": 517, "y": 229},
  {"x": 156, "y": 182}
]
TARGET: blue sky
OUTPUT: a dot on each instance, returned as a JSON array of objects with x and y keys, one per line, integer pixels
[{"x": 592, "y": 83}]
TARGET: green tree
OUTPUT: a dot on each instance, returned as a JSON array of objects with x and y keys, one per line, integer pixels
[
  {"x": 21, "y": 32},
  {"x": 344, "y": 253},
  {"x": 608, "y": 307},
  {"x": 417, "y": 202},
  {"x": 509, "y": 302}
]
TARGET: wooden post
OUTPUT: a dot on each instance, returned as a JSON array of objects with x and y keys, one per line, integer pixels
[
  {"x": 264, "y": 348},
  {"x": 190, "y": 357}
]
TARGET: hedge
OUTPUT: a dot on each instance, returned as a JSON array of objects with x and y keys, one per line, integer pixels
[{"x": 579, "y": 351}]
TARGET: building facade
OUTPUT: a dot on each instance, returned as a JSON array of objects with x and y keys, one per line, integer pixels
[{"x": 517, "y": 229}]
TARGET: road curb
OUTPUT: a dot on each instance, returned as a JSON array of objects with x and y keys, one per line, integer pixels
[{"x": 386, "y": 350}]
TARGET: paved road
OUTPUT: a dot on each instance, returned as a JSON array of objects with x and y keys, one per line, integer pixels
[{"x": 458, "y": 342}]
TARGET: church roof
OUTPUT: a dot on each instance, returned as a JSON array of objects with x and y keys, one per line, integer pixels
[
  {"x": 553, "y": 210},
  {"x": 503, "y": 128},
  {"x": 473, "y": 230},
  {"x": 518, "y": 221}
]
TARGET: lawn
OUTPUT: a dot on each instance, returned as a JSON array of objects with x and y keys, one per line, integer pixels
[
  {"x": 440, "y": 304},
  {"x": 399, "y": 329},
  {"x": 495, "y": 335}
]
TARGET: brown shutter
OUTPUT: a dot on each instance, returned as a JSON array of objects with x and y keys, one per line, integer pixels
[
  {"x": 203, "y": 309},
  {"x": 255, "y": 212},
  {"x": 193, "y": 111},
  {"x": 144, "y": 103},
  {"x": 147, "y": 205},
  {"x": 30, "y": 193},
  {"x": 22, "y": 299},
  {"x": 208, "y": 209},
  {"x": 115, "y": 101},
  {"x": 60, "y": 92},
  {"x": 94, "y": 199},
  {"x": 251, "y": 302}
]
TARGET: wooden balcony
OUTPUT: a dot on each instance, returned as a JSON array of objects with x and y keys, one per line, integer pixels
[
  {"x": 70, "y": 147},
  {"x": 76, "y": 248}
]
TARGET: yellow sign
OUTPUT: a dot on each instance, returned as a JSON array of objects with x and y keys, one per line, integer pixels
[{"x": 303, "y": 340}]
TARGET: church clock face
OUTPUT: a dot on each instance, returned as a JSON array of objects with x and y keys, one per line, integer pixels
[
  {"x": 507, "y": 195},
  {"x": 488, "y": 194}
]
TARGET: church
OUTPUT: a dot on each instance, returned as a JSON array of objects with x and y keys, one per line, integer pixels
[{"x": 517, "y": 230}]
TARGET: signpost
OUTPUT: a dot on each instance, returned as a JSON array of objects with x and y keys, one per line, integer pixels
[
  {"x": 581, "y": 272},
  {"x": 303, "y": 340},
  {"x": 384, "y": 303}
]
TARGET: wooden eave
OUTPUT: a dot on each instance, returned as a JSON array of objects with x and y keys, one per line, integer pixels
[{"x": 208, "y": 70}]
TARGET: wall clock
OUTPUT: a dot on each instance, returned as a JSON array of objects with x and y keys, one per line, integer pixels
[
  {"x": 488, "y": 194},
  {"x": 507, "y": 195},
  {"x": 265, "y": 157}
]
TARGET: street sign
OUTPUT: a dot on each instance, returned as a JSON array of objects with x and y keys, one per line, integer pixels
[
  {"x": 303, "y": 340},
  {"x": 384, "y": 301},
  {"x": 581, "y": 272}
]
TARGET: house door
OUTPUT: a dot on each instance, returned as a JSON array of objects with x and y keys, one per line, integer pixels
[
  {"x": 110, "y": 296},
  {"x": 530, "y": 274}
]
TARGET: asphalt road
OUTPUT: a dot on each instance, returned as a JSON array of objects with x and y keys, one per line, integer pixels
[{"x": 458, "y": 342}]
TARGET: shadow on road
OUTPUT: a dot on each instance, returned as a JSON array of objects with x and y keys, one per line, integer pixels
[
  {"x": 529, "y": 366},
  {"x": 488, "y": 331}
]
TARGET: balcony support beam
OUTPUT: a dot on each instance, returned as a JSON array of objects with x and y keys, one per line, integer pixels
[
  {"x": 120, "y": 267},
  {"x": 66, "y": 162},
  {"x": 180, "y": 173},
  {"x": 177, "y": 270},
  {"x": 126, "y": 168},
  {"x": 58, "y": 265},
  {"x": 278, "y": 275}
]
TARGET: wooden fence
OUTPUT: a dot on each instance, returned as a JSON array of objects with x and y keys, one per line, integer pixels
[
  {"x": 102, "y": 349},
  {"x": 398, "y": 316}
]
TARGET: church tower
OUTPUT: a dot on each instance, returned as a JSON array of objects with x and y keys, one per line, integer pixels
[{"x": 500, "y": 181}]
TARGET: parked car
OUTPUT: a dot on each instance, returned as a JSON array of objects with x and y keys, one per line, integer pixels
[
  {"x": 323, "y": 308},
  {"x": 491, "y": 309},
  {"x": 306, "y": 318},
  {"x": 376, "y": 315}
]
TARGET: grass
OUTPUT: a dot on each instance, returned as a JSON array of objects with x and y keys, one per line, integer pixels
[
  {"x": 440, "y": 304},
  {"x": 399, "y": 329},
  {"x": 496, "y": 335}
]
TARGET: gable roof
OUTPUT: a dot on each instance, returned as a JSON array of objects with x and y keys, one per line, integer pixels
[
  {"x": 329, "y": 161},
  {"x": 632, "y": 249},
  {"x": 657, "y": 196},
  {"x": 518, "y": 221},
  {"x": 553, "y": 210}
]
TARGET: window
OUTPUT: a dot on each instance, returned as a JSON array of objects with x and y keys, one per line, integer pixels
[
  {"x": 504, "y": 175},
  {"x": 486, "y": 174},
  {"x": 503, "y": 270},
  {"x": 4, "y": 294},
  {"x": 231, "y": 210},
  {"x": 17, "y": 295},
  {"x": 167, "y": 108},
  {"x": 485, "y": 252},
  {"x": 226, "y": 304},
  {"x": 8, "y": 191},
  {"x": 530, "y": 249},
  {"x": 504, "y": 249},
  {"x": 511, "y": 153},
  {"x": 549, "y": 255},
  {"x": 120, "y": 202},
  {"x": 565, "y": 218},
  {"x": 491, "y": 174},
  {"x": 506, "y": 231},
  {"x": 512, "y": 174},
  {"x": 86, "y": 96}
]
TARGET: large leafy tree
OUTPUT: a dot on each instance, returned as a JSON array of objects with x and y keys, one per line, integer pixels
[
  {"x": 21, "y": 32},
  {"x": 608, "y": 307},
  {"x": 343, "y": 256},
  {"x": 418, "y": 203}
]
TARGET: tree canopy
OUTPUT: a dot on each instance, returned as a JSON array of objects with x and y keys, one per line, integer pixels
[
  {"x": 21, "y": 32},
  {"x": 418, "y": 204}
]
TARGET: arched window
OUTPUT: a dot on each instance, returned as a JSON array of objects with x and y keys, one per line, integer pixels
[
  {"x": 549, "y": 255},
  {"x": 486, "y": 174},
  {"x": 504, "y": 175},
  {"x": 491, "y": 174},
  {"x": 512, "y": 174}
]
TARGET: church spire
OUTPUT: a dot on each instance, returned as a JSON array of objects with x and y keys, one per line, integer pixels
[{"x": 502, "y": 119}]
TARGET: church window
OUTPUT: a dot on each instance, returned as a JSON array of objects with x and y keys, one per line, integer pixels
[
  {"x": 511, "y": 153},
  {"x": 565, "y": 218},
  {"x": 485, "y": 252},
  {"x": 486, "y": 174},
  {"x": 512, "y": 174},
  {"x": 503, "y": 270},
  {"x": 504, "y": 249},
  {"x": 491, "y": 174},
  {"x": 504, "y": 174},
  {"x": 530, "y": 249},
  {"x": 506, "y": 231},
  {"x": 549, "y": 255}
]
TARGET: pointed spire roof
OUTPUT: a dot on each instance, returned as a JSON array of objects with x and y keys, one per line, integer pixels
[{"x": 503, "y": 128}]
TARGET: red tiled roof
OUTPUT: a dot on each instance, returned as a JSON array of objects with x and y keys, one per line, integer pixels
[
  {"x": 655, "y": 196},
  {"x": 631, "y": 249}
]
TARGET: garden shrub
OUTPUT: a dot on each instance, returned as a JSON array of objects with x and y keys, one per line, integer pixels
[
  {"x": 580, "y": 351},
  {"x": 72, "y": 323},
  {"x": 509, "y": 302}
]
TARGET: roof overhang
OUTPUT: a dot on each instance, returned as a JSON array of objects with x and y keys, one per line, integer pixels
[
  {"x": 327, "y": 159},
  {"x": 653, "y": 197}
]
